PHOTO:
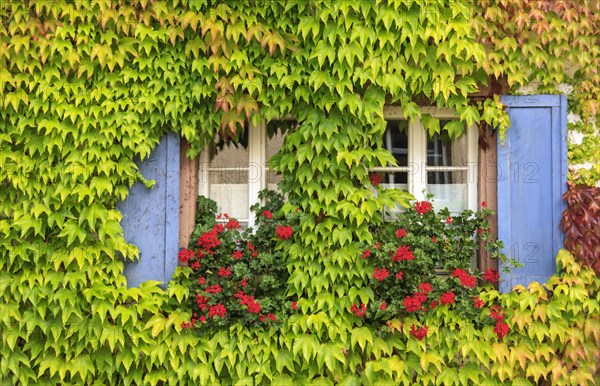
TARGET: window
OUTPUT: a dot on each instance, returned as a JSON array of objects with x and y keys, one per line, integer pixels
[
  {"x": 234, "y": 174},
  {"x": 438, "y": 165}
]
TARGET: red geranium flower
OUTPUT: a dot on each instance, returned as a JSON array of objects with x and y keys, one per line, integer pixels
[
  {"x": 195, "y": 265},
  {"x": 219, "y": 228},
  {"x": 375, "y": 179},
  {"x": 484, "y": 204},
  {"x": 400, "y": 233},
  {"x": 294, "y": 305},
  {"x": 271, "y": 316},
  {"x": 380, "y": 274},
  {"x": 447, "y": 298},
  {"x": 201, "y": 281},
  {"x": 496, "y": 313},
  {"x": 383, "y": 306},
  {"x": 209, "y": 240},
  {"x": 468, "y": 281},
  {"x": 359, "y": 311},
  {"x": 433, "y": 239},
  {"x": 458, "y": 273},
  {"x": 418, "y": 333},
  {"x": 232, "y": 224},
  {"x": 244, "y": 283},
  {"x": 399, "y": 275},
  {"x": 420, "y": 296},
  {"x": 237, "y": 254},
  {"x": 449, "y": 220},
  {"x": 423, "y": 207},
  {"x": 465, "y": 279},
  {"x": 377, "y": 245},
  {"x": 218, "y": 310},
  {"x": 252, "y": 249},
  {"x": 411, "y": 304},
  {"x": 185, "y": 255},
  {"x": 478, "y": 303},
  {"x": 366, "y": 253},
  {"x": 224, "y": 272},
  {"x": 433, "y": 304},
  {"x": 501, "y": 329},
  {"x": 284, "y": 232},
  {"x": 214, "y": 289},
  {"x": 267, "y": 214},
  {"x": 201, "y": 301},
  {"x": 403, "y": 253},
  {"x": 491, "y": 275},
  {"x": 426, "y": 288},
  {"x": 248, "y": 301}
]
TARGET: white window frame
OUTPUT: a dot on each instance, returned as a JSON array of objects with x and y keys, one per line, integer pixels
[
  {"x": 257, "y": 169},
  {"x": 417, "y": 154},
  {"x": 417, "y": 160}
]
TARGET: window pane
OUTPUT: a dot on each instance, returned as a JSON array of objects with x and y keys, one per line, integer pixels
[
  {"x": 230, "y": 155},
  {"x": 229, "y": 188},
  {"x": 395, "y": 140},
  {"x": 228, "y": 178},
  {"x": 231, "y": 199},
  {"x": 449, "y": 189},
  {"x": 398, "y": 180},
  {"x": 441, "y": 151}
]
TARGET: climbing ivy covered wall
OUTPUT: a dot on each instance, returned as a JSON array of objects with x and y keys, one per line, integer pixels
[{"x": 87, "y": 86}]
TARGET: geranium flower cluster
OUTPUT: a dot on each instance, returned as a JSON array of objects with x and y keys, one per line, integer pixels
[
  {"x": 403, "y": 253},
  {"x": 375, "y": 179},
  {"x": 465, "y": 279},
  {"x": 210, "y": 240},
  {"x": 284, "y": 232},
  {"x": 423, "y": 207},
  {"x": 359, "y": 311},
  {"x": 234, "y": 276},
  {"x": 222, "y": 249},
  {"x": 419, "y": 333},
  {"x": 421, "y": 262},
  {"x": 380, "y": 274},
  {"x": 249, "y": 301},
  {"x": 491, "y": 275},
  {"x": 501, "y": 328}
]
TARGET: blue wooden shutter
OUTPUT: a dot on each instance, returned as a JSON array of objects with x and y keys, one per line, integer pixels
[
  {"x": 532, "y": 176},
  {"x": 151, "y": 216}
]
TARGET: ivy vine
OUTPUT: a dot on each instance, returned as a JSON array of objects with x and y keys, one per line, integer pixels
[{"x": 86, "y": 86}]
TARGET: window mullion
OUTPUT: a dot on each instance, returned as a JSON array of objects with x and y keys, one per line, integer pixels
[
  {"x": 417, "y": 159},
  {"x": 256, "y": 162},
  {"x": 203, "y": 187},
  {"x": 472, "y": 155}
]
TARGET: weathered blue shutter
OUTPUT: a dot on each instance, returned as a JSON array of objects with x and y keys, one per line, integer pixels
[
  {"x": 532, "y": 176},
  {"x": 151, "y": 216}
]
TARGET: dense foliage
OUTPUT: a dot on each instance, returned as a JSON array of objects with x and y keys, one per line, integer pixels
[
  {"x": 550, "y": 44},
  {"x": 580, "y": 223},
  {"x": 424, "y": 259},
  {"x": 86, "y": 86},
  {"x": 238, "y": 276},
  {"x": 418, "y": 262}
]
